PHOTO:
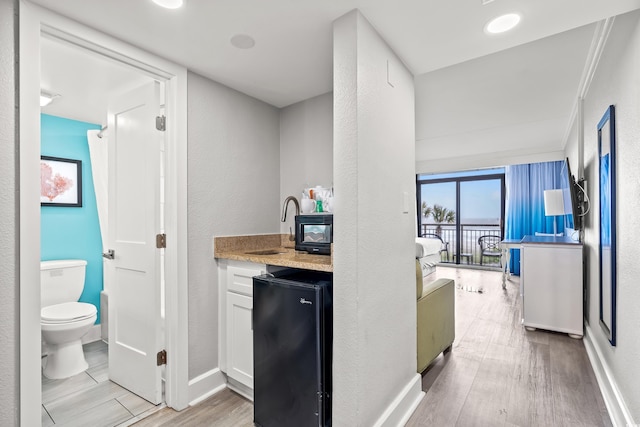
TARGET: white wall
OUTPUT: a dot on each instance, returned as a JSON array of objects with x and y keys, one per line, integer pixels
[
  {"x": 9, "y": 267},
  {"x": 374, "y": 358},
  {"x": 306, "y": 148},
  {"x": 617, "y": 82},
  {"x": 571, "y": 149},
  {"x": 234, "y": 177}
]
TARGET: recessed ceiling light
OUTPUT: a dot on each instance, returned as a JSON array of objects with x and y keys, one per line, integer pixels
[
  {"x": 502, "y": 23},
  {"x": 46, "y": 98},
  {"x": 170, "y": 4},
  {"x": 243, "y": 41}
]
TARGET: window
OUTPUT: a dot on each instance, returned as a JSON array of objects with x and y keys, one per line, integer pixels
[{"x": 459, "y": 208}]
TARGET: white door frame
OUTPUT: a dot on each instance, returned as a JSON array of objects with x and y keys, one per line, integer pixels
[{"x": 35, "y": 21}]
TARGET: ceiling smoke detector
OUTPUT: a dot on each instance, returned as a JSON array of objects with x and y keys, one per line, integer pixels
[{"x": 243, "y": 41}]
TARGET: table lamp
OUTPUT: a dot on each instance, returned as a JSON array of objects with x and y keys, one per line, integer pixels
[{"x": 553, "y": 206}]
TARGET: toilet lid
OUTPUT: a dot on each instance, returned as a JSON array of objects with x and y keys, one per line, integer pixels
[{"x": 68, "y": 311}]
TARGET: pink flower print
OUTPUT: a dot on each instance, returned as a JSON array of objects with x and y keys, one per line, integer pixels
[{"x": 51, "y": 186}]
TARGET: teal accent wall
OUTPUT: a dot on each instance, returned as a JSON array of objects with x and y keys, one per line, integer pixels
[{"x": 72, "y": 233}]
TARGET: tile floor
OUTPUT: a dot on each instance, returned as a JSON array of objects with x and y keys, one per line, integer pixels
[{"x": 90, "y": 398}]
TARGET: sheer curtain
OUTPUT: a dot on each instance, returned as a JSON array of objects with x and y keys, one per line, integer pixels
[{"x": 524, "y": 205}]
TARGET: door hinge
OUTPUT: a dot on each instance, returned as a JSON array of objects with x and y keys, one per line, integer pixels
[
  {"x": 162, "y": 357},
  {"x": 161, "y": 123},
  {"x": 161, "y": 241}
]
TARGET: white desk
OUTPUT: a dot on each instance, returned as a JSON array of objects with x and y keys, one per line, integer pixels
[
  {"x": 551, "y": 284},
  {"x": 505, "y": 246}
]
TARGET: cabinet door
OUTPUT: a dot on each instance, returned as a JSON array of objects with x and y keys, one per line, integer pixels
[
  {"x": 240, "y": 338},
  {"x": 553, "y": 288}
]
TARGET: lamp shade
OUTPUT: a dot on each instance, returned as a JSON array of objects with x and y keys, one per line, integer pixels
[{"x": 553, "y": 203}]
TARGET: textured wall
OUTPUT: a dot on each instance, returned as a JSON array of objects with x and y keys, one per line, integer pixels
[
  {"x": 617, "y": 82},
  {"x": 306, "y": 148},
  {"x": 234, "y": 188},
  {"x": 9, "y": 324},
  {"x": 374, "y": 272},
  {"x": 72, "y": 233}
]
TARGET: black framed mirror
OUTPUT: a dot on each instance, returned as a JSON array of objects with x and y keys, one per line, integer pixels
[{"x": 607, "y": 185}]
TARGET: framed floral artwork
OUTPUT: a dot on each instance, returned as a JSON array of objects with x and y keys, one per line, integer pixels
[{"x": 60, "y": 182}]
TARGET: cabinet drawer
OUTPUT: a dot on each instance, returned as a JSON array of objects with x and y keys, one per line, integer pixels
[{"x": 240, "y": 279}]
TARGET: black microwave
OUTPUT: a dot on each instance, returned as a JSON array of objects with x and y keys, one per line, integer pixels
[{"x": 314, "y": 233}]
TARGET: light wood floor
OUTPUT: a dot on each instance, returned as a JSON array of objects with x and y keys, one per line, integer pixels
[
  {"x": 498, "y": 374},
  {"x": 224, "y": 409},
  {"x": 89, "y": 398}
]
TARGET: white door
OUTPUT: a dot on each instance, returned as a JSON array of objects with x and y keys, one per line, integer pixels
[{"x": 135, "y": 321}]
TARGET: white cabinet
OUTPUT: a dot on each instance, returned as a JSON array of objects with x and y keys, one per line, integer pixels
[
  {"x": 239, "y": 338},
  {"x": 236, "y": 303},
  {"x": 551, "y": 285}
]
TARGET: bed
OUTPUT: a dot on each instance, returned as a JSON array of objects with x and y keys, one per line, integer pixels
[{"x": 428, "y": 254}]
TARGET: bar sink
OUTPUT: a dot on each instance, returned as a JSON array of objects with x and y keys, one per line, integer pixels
[{"x": 267, "y": 252}]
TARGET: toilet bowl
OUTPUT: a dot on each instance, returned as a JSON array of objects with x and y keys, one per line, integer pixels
[
  {"x": 63, "y": 320},
  {"x": 63, "y": 326}
]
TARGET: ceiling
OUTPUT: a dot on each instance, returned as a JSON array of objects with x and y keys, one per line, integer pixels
[
  {"x": 516, "y": 100},
  {"x": 84, "y": 81},
  {"x": 471, "y": 88}
]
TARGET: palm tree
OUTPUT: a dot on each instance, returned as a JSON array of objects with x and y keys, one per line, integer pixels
[
  {"x": 440, "y": 215},
  {"x": 426, "y": 210}
]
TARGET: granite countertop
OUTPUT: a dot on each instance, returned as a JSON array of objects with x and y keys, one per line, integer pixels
[{"x": 245, "y": 248}]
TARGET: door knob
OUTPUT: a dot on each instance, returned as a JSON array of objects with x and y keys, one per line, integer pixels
[{"x": 110, "y": 254}]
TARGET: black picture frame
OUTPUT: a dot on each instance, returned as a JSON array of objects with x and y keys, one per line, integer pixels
[
  {"x": 607, "y": 189},
  {"x": 60, "y": 182}
]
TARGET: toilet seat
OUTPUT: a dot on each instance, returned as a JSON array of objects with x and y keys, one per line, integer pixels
[{"x": 68, "y": 312}]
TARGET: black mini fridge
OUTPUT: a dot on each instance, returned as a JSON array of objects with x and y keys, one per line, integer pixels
[{"x": 292, "y": 348}]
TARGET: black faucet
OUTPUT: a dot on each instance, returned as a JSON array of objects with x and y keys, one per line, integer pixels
[
  {"x": 286, "y": 204},
  {"x": 292, "y": 236}
]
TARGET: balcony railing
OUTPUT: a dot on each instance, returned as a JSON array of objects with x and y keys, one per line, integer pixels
[{"x": 470, "y": 249}]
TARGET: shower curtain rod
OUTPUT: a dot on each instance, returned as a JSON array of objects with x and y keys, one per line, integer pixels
[{"x": 101, "y": 133}]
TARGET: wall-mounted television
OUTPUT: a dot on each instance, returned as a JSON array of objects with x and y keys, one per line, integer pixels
[{"x": 570, "y": 195}]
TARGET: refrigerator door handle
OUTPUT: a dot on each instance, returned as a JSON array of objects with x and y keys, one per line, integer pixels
[{"x": 319, "y": 412}]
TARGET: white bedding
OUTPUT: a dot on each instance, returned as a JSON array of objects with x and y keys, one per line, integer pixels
[{"x": 426, "y": 247}]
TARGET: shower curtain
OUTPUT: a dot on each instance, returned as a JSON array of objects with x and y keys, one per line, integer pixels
[
  {"x": 98, "y": 155},
  {"x": 99, "y": 167}
]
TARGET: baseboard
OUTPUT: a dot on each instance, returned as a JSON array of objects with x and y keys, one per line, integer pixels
[
  {"x": 94, "y": 334},
  {"x": 206, "y": 385},
  {"x": 403, "y": 406},
  {"x": 240, "y": 388},
  {"x": 618, "y": 411}
]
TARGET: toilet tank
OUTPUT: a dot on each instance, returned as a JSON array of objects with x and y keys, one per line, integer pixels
[{"x": 61, "y": 281}]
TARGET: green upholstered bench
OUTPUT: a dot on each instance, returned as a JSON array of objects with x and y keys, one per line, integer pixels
[{"x": 436, "y": 318}]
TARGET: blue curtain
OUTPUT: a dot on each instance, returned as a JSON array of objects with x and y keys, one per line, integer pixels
[
  {"x": 605, "y": 201},
  {"x": 524, "y": 209}
]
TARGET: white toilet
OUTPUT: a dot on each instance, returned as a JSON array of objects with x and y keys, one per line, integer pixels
[{"x": 63, "y": 319}]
